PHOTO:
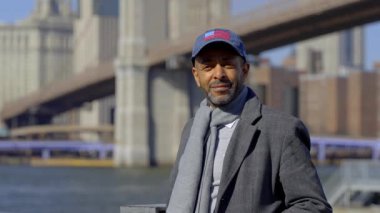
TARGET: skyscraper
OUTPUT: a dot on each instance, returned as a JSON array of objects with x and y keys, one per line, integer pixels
[
  {"x": 332, "y": 54},
  {"x": 36, "y": 51}
]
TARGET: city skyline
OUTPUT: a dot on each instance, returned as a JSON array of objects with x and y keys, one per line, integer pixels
[{"x": 99, "y": 40}]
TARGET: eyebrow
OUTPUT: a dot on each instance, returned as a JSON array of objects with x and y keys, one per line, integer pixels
[{"x": 210, "y": 58}]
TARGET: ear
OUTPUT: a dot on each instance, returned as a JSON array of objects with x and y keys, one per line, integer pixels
[
  {"x": 245, "y": 70},
  {"x": 196, "y": 76}
]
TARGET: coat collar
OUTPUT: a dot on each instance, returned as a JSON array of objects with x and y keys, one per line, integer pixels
[
  {"x": 241, "y": 141},
  {"x": 252, "y": 109}
]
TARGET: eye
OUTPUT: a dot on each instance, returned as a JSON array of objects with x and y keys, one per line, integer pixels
[
  {"x": 229, "y": 62},
  {"x": 206, "y": 68},
  {"x": 229, "y": 66}
]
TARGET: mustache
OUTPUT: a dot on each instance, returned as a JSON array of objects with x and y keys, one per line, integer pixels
[{"x": 216, "y": 82}]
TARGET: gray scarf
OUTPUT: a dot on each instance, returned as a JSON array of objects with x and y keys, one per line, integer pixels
[{"x": 191, "y": 191}]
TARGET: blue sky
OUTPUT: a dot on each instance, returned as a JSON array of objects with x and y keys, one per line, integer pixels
[{"x": 13, "y": 10}]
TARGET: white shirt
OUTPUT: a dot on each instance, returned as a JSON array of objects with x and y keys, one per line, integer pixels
[{"x": 222, "y": 141}]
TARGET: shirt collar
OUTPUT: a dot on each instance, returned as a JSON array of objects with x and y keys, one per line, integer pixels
[{"x": 230, "y": 125}]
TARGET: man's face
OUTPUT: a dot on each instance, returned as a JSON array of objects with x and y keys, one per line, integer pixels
[{"x": 220, "y": 72}]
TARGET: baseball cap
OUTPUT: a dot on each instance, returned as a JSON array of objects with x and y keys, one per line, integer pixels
[{"x": 218, "y": 35}]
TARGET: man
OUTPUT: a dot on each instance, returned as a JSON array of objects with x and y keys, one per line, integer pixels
[{"x": 238, "y": 155}]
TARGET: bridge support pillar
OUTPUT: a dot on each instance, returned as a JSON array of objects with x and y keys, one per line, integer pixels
[{"x": 132, "y": 125}]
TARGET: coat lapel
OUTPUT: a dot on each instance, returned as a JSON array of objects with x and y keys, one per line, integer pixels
[{"x": 240, "y": 142}]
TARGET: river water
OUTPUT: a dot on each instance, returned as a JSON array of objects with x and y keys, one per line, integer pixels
[
  {"x": 26, "y": 189},
  {"x": 82, "y": 190}
]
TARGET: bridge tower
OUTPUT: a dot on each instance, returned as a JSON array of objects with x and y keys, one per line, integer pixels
[
  {"x": 153, "y": 103},
  {"x": 186, "y": 16},
  {"x": 132, "y": 116}
]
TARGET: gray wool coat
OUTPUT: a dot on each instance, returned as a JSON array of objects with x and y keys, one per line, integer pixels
[{"x": 267, "y": 167}]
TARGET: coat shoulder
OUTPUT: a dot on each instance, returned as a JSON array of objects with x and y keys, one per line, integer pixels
[
  {"x": 284, "y": 125},
  {"x": 272, "y": 114}
]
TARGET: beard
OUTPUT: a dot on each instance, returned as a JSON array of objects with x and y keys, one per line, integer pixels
[{"x": 224, "y": 99}]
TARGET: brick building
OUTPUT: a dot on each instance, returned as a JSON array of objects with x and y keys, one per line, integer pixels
[{"x": 329, "y": 104}]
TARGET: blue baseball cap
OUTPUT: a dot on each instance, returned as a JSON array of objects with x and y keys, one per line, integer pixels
[{"x": 219, "y": 35}]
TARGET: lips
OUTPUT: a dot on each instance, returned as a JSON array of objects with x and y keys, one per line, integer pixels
[{"x": 220, "y": 87}]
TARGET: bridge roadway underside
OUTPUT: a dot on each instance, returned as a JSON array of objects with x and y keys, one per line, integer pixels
[
  {"x": 313, "y": 25},
  {"x": 40, "y": 107}
]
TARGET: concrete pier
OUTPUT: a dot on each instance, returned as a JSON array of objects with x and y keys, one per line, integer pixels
[{"x": 131, "y": 133}]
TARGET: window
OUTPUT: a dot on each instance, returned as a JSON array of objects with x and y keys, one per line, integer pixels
[
  {"x": 291, "y": 100},
  {"x": 260, "y": 90},
  {"x": 315, "y": 61}
]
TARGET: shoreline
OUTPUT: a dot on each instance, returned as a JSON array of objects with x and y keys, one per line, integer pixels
[{"x": 55, "y": 162}]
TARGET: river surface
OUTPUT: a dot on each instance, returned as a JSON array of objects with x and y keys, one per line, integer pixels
[
  {"x": 26, "y": 189},
  {"x": 82, "y": 190}
]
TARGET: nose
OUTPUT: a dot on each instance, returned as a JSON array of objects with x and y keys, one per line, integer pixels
[{"x": 219, "y": 72}]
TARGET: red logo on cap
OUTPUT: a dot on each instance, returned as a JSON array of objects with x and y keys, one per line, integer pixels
[{"x": 217, "y": 34}]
